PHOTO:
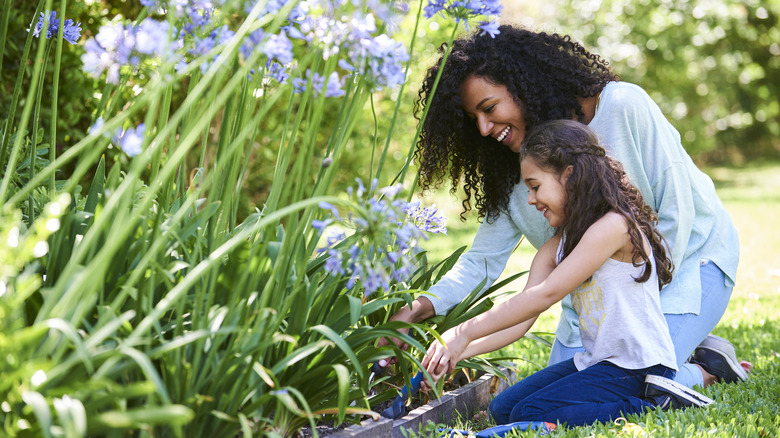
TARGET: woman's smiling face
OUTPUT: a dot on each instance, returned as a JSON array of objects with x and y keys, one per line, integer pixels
[{"x": 494, "y": 110}]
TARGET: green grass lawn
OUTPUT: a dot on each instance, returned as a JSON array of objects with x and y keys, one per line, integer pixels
[{"x": 751, "y": 194}]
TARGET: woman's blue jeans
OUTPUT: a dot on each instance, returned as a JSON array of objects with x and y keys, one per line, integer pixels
[
  {"x": 687, "y": 330},
  {"x": 559, "y": 393}
]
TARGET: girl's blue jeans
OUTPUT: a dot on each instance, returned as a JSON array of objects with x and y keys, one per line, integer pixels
[
  {"x": 687, "y": 330},
  {"x": 559, "y": 393}
]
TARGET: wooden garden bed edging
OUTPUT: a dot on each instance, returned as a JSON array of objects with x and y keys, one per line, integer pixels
[{"x": 466, "y": 401}]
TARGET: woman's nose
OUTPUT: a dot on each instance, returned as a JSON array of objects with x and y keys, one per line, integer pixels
[
  {"x": 531, "y": 198},
  {"x": 484, "y": 125}
]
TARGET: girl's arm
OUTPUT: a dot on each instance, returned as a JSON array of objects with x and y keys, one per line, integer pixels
[
  {"x": 601, "y": 241},
  {"x": 541, "y": 266}
]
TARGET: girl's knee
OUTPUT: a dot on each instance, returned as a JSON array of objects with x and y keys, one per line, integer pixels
[
  {"x": 527, "y": 411},
  {"x": 499, "y": 411}
]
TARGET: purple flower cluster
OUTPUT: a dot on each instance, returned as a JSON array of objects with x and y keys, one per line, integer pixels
[
  {"x": 463, "y": 10},
  {"x": 200, "y": 29},
  {"x": 385, "y": 239},
  {"x": 122, "y": 45},
  {"x": 70, "y": 32},
  {"x": 378, "y": 58},
  {"x": 181, "y": 8},
  {"x": 203, "y": 45},
  {"x": 333, "y": 88},
  {"x": 426, "y": 218},
  {"x": 130, "y": 140}
]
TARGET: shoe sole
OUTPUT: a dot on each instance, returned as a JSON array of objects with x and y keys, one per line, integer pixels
[
  {"x": 735, "y": 367},
  {"x": 718, "y": 343},
  {"x": 697, "y": 399}
]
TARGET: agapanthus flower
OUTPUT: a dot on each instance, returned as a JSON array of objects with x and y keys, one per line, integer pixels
[
  {"x": 433, "y": 7},
  {"x": 181, "y": 8},
  {"x": 152, "y": 37},
  {"x": 279, "y": 47},
  {"x": 463, "y": 10},
  {"x": 215, "y": 38},
  {"x": 385, "y": 238},
  {"x": 252, "y": 42},
  {"x": 426, "y": 218},
  {"x": 97, "y": 126},
  {"x": 299, "y": 85},
  {"x": 385, "y": 60},
  {"x": 490, "y": 28},
  {"x": 197, "y": 19},
  {"x": 130, "y": 140},
  {"x": 70, "y": 33},
  {"x": 276, "y": 71},
  {"x": 333, "y": 88},
  {"x": 108, "y": 51},
  {"x": 117, "y": 45}
]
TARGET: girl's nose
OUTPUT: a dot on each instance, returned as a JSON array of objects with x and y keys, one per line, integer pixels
[
  {"x": 484, "y": 125},
  {"x": 531, "y": 198}
]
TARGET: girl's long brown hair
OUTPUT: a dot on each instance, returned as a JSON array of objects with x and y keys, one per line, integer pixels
[{"x": 597, "y": 185}]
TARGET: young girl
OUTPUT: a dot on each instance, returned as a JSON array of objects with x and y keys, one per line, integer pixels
[{"x": 608, "y": 256}]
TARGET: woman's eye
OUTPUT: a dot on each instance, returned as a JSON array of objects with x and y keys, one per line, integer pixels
[{"x": 490, "y": 108}]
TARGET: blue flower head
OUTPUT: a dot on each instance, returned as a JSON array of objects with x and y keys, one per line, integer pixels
[
  {"x": 490, "y": 28},
  {"x": 131, "y": 140},
  {"x": 70, "y": 33},
  {"x": 279, "y": 47}
]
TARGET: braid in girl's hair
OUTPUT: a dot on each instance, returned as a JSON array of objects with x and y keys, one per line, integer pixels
[{"x": 597, "y": 185}]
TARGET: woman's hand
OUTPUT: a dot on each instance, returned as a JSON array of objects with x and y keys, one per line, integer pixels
[{"x": 441, "y": 359}]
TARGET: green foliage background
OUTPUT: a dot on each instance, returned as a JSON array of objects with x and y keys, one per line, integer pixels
[{"x": 713, "y": 66}]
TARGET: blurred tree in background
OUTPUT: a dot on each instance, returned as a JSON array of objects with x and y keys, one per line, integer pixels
[{"x": 713, "y": 66}]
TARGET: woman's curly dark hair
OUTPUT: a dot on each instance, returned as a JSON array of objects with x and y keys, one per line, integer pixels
[
  {"x": 546, "y": 73},
  {"x": 597, "y": 185}
]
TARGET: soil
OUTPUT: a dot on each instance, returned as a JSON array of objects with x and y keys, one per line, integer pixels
[{"x": 325, "y": 427}]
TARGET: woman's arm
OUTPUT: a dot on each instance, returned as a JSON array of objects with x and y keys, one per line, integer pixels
[{"x": 600, "y": 242}]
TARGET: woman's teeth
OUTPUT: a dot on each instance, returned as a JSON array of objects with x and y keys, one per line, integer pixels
[{"x": 504, "y": 133}]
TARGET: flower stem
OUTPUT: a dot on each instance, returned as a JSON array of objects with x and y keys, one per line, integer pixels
[
  {"x": 55, "y": 85},
  {"x": 34, "y": 133},
  {"x": 402, "y": 174},
  {"x": 4, "y": 16},
  {"x": 9, "y": 122},
  {"x": 398, "y": 100}
]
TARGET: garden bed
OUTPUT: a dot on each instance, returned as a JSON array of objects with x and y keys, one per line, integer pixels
[{"x": 464, "y": 402}]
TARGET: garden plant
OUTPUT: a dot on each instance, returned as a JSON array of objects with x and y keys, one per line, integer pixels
[
  {"x": 200, "y": 258},
  {"x": 137, "y": 294}
]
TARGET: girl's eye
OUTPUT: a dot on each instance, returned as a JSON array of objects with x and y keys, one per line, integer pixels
[{"x": 490, "y": 108}]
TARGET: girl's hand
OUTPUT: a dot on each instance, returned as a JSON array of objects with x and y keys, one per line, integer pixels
[{"x": 441, "y": 359}]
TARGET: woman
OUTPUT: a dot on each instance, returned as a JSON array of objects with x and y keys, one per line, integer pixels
[{"x": 491, "y": 91}]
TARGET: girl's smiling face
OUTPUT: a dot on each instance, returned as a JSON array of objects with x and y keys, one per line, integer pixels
[
  {"x": 494, "y": 110},
  {"x": 546, "y": 190}
]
